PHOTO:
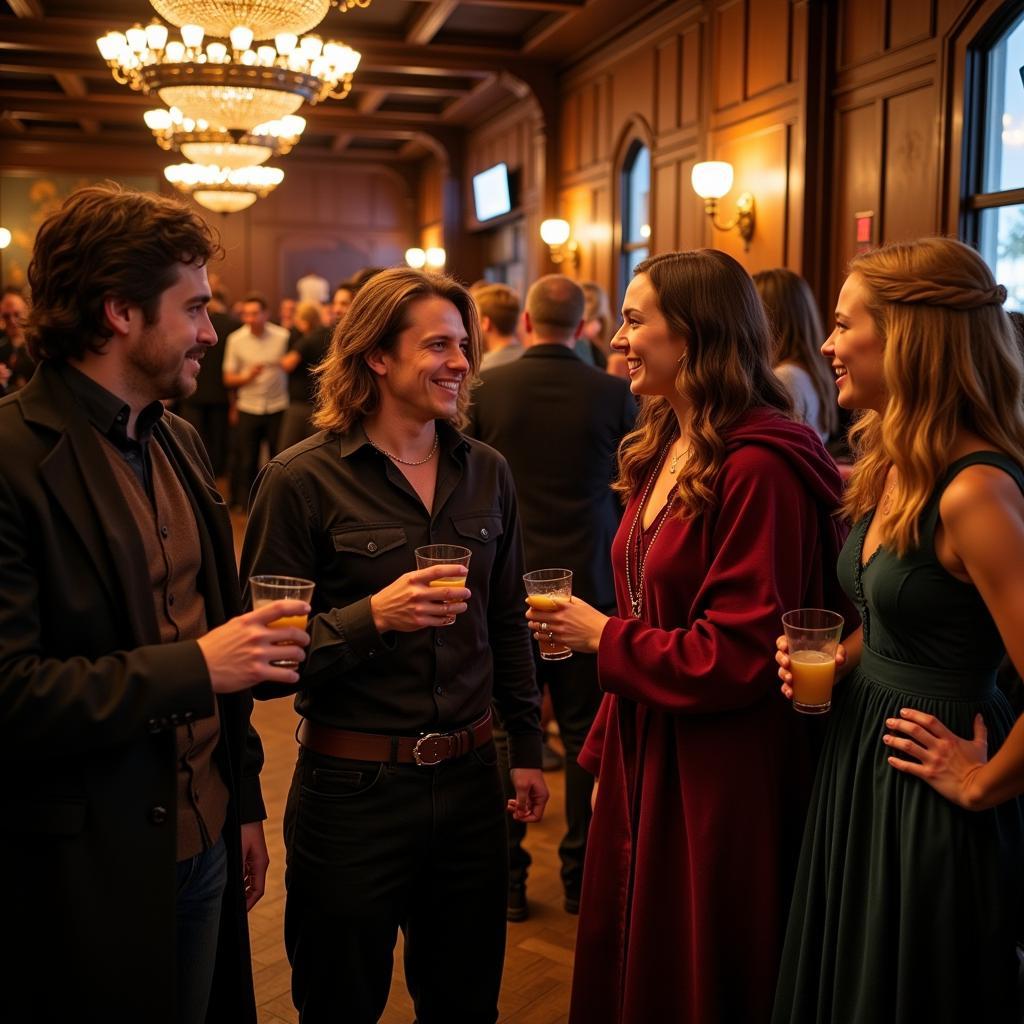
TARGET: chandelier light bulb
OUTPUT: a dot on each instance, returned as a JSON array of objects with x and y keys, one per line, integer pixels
[
  {"x": 266, "y": 55},
  {"x": 157, "y": 120},
  {"x": 311, "y": 47},
  {"x": 136, "y": 36},
  {"x": 241, "y": 38},
  {"x": 5, "y": 238},
  {"x": 216, "y": 52},
  {"x": 156, "y": 35},
  {"x": 286, "y": 43},
  {"x": 415, "y": 257},
  {"x": 192, "y": 36},
  {"x": 436, "y": 257},
  {"x": 175, "y": 51}
]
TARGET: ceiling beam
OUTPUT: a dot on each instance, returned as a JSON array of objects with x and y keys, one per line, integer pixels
[
  {"x": 370, "y": 100},
  {"x": 26, "y": 8},
  {"x": 530, "y": 5},
  {"x": 430, "y": 21},
  {"x": 60, "y": 36},
  {"x": 73, "y": 85}
]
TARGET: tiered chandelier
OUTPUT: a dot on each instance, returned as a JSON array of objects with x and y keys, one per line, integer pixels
[{"x": 232, "y": 105}]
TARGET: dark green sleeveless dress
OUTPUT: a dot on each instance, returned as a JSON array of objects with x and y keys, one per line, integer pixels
[{"x": 906, "y": 907}]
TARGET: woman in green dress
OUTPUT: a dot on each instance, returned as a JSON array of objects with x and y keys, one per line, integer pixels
[{"x": 906, "y": 906}]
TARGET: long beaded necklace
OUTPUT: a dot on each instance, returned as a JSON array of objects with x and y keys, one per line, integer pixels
[
  {"x": 636, "y": 598},
  {"x": 405, "y": 462}
]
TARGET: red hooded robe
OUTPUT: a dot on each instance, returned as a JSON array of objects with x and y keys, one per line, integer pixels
[{"x": 704, "y": 768}]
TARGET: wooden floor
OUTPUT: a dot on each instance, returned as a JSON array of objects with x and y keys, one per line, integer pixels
[{"x": 538, "y": 962}]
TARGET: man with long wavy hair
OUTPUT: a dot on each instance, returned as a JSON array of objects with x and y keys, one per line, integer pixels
[{"x": 396, "y": 814}]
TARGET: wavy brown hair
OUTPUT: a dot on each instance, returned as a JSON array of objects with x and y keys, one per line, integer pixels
[
  {"x": 951, "y": 363},
  {"x": 798, "y": 334},
  {"x": 107, "y": 241},
  {"x": 347, "y": 389},
  {"x": 709, "y": 300}
]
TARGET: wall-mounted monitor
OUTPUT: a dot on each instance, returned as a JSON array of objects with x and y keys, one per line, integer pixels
[{"x": 492, "y": 196}]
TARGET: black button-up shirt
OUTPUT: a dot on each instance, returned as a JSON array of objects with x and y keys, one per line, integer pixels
[
  {"x": 336, "y": 511},
  {"x": 109, "y": 415}
]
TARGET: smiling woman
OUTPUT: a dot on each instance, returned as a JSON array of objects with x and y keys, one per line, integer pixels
[{"x": 728, "y": 523}]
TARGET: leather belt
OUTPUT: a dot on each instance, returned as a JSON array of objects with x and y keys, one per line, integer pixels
[{"x": 429, "y": 749}]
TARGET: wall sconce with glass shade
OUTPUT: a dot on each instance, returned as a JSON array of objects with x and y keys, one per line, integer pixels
[
  {"x": 711, "y": 180},
  {"x": 555, "y": 234},
  {"x": 433, "y": 258}
]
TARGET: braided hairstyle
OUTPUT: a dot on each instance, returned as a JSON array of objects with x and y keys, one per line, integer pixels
[{"x": 951, "y": 365}]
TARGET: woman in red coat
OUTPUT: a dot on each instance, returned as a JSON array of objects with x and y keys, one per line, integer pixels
[{"x": 703, "y": 767}]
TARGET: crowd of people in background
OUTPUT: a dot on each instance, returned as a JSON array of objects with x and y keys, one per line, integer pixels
[{"x": 727, "y": 861}]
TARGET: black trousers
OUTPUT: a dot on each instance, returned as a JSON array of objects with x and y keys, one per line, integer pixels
[
  {"x": 575, "y": 698},
  {"x": 251, "y": 432},
  {"x": 372, "y": 848}
]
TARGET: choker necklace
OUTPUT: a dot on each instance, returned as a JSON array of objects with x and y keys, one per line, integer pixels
[
  {"x": 636, "y": 599},
  {"x": 406, "y": 462}
]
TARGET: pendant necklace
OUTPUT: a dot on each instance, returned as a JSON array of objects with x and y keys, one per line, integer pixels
[
  {"x": 636, "y": 598},
  {"x": 674, "y": 463},
  {"x": 406, "y": 462}
]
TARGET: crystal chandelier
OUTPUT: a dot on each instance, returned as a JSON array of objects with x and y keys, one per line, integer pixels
[
  {"x": 266, "y": 18},
  {"x": 202, "y": 143},
  {"x": 224, "y": 189},
  {"x": 230, "y": 85}
]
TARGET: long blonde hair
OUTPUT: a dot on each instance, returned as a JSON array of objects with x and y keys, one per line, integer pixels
[
  {"x": 950, "y": 364},
  {"x": 347, "y": 389},
  {"x": 708, "y": 299}
]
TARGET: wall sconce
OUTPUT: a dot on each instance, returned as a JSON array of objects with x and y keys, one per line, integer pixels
[
  {"x": 5, "y": 238},
  {"x": 555, "y": 234},
  {"x": 433, "y": 258},
  {"x": 711, "y": 180}
]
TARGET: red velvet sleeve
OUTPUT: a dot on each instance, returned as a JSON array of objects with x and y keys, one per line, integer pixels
[{"x": 763, "y": 550}]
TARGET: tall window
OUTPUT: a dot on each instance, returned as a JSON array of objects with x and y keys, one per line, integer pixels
[
  {"x": 995, "y": 221},
  {"x": 636, "y": 225}
]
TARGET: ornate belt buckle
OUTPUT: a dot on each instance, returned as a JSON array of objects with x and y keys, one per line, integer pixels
[{"x": 434, "y": 753}]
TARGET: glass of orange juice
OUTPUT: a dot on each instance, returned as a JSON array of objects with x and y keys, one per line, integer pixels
[
  {"x": 813, "y": 634},
  {"x": 444, "y": 554},
  {"x": 265, "y": 589},
  {"x": 547, "y": 590}
]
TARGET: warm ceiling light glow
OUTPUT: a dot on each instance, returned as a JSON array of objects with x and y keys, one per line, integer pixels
[
  {"x": 711, "y": 179},
  {"x": 234, "y": 89}
]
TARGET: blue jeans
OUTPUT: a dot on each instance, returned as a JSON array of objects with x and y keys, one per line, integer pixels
[{"x": 201, "y": 881}]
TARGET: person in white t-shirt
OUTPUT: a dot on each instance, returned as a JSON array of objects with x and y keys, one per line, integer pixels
[{"x": 252, "y": 358}]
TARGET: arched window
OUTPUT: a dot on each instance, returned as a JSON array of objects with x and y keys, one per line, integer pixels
[
  {"x": 994, "y": 152},
  {"x": 636, "y": 225}
]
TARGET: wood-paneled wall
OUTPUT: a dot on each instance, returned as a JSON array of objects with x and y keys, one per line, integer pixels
[{"x": 825, "y": 109}]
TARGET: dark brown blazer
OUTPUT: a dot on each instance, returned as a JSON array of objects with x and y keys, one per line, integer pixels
[{"x": 89, "y": 701}]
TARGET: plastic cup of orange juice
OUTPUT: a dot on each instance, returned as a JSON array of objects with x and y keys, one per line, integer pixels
[
  {"x": 546, "y": 590},
  {"x": 444, "y": 554},
  {"x": 813, "y": 634},
  {"x": 265, "y": 589}
]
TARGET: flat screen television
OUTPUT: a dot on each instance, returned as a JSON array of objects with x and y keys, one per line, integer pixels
[{"x": 491, "y": 194}]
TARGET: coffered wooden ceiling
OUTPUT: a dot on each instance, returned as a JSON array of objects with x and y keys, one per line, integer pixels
[{"x": 426, "y": 64}]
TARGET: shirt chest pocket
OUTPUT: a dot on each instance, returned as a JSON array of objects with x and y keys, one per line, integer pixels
[
  {"x": 479, "y": 531},
  {"x": 370, "y": 542}
]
